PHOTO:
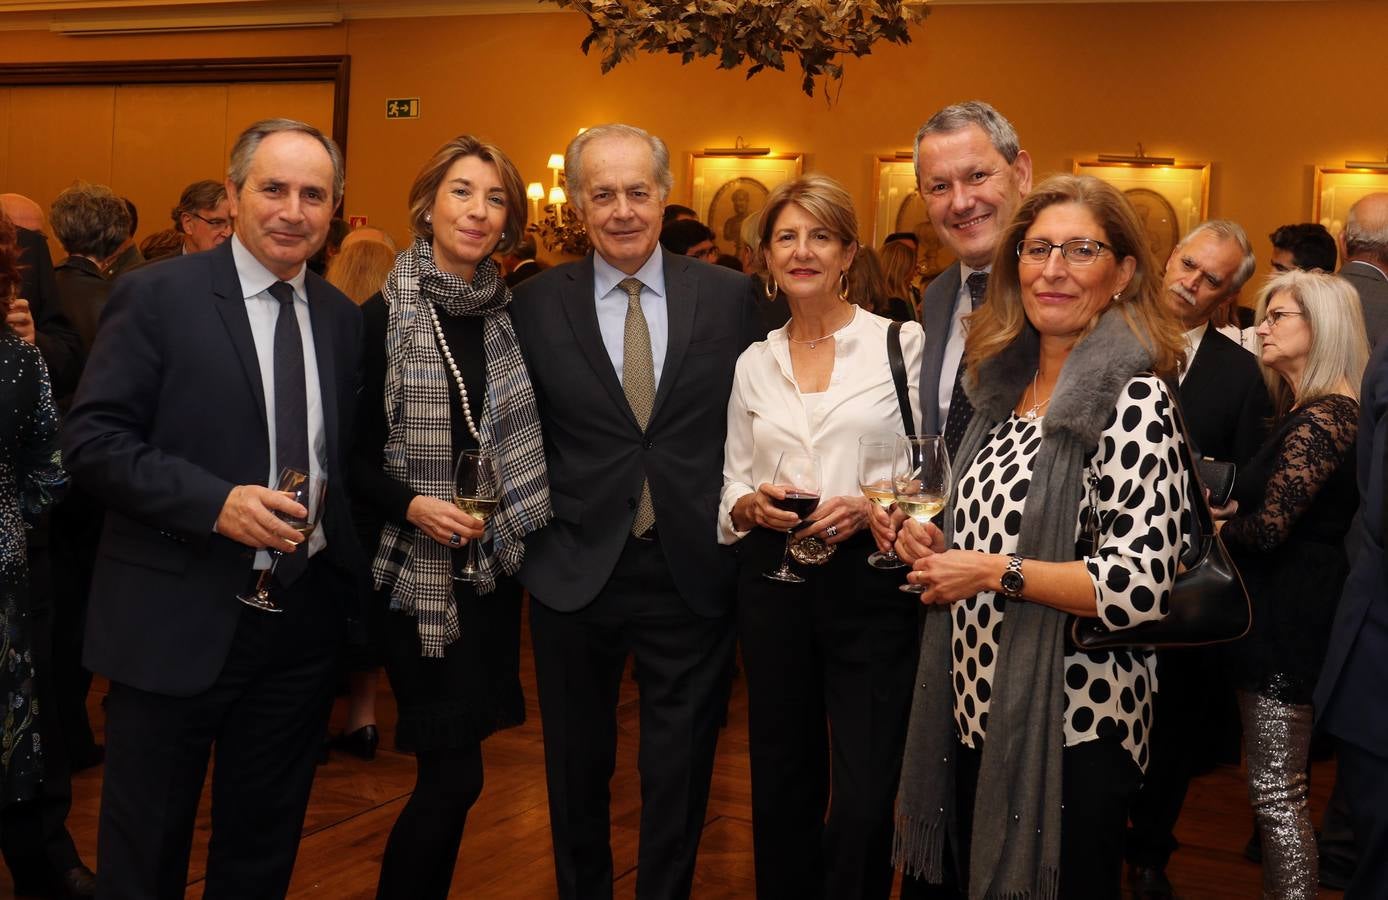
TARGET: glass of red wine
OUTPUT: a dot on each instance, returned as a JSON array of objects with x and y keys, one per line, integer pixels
[{"x": 798, "y": 474}]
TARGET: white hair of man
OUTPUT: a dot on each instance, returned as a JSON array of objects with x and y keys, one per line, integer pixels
[
  {"x": 1228, "y": 230},
  {"x": 573, "y": 158}
]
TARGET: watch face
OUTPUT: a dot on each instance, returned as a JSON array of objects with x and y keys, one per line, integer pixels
[{"x": 1012, "y": 582}]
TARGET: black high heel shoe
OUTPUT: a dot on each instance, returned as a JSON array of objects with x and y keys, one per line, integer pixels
[{"x": 361, "y": 743}]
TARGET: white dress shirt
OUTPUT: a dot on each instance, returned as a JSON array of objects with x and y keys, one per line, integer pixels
[
  {"x": 767, "y": 414},
  {"x": 1193, "y": 337},
  {"x": 954, "y": 346},
  {"x": 612, "y": 309},
  {"x": 263, "y": 310}
]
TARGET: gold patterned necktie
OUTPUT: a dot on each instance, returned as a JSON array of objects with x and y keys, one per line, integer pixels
[{"x": 638, "y": 383}]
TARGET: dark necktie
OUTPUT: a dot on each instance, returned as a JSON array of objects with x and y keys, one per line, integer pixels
[
  {"x": 291, "y": 408},
  {"x": 960, "y": 409},
  {"x": 638, "y": 382}
]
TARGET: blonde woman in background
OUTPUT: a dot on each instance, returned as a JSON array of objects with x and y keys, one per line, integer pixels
[
  {"x": 899, "y": 270},
  {"x": 360, "y": 269}
]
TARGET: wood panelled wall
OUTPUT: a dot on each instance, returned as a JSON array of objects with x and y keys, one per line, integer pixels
[{"x": 1264, "y": 90}]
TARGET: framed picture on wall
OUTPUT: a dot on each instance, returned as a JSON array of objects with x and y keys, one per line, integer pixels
[
  {"x": 1336, "y": 190},
  {"x": 898, "y": 206},
  {"x": 725, "y": 190},
  {"x": 1170, "y": 199}
]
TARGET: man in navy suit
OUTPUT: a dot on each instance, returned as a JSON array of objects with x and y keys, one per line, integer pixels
[
  {"x": 1349, "y": 698},
  {"x": 631, "y": 352},
  {"x": 210, "y": 372}
]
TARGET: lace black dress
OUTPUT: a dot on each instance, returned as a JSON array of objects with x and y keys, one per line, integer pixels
[{"x": 1296, "y": 498}]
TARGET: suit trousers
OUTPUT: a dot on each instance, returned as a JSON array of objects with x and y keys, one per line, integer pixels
[
  {"x": 265, "y": 718},
  {"x": 682, "y": 670},
  {"x": 1364, "y": 774},
  {"x": 830, "y": 664},
  {"x": 1098, "y": 779}
]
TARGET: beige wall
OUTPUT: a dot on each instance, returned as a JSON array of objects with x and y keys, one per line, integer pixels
[{"x": 1264, "y": 90}]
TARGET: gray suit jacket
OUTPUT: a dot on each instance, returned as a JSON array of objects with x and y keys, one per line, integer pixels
[
  {"x": 937, "y": 309},
  {"x": 1373, "y": 295},
  {"x": 598, "y": 455}
]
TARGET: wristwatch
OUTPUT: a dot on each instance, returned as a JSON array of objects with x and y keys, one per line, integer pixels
[{"x": 1012, "y": 580}]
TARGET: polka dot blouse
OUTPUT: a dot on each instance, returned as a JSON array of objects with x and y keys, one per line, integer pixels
[{"x": 1139, "y": 490}]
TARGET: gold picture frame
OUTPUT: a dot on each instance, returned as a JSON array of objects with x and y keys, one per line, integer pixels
[
  {"x": 1337, "y": 189},
  {"x": 1170, "y": 198},
  {"x": 898, "y": 206},
  {"x": 724, "y": 190}
]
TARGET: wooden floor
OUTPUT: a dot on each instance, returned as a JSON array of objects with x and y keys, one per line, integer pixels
[{"x": 506, "y": 851}]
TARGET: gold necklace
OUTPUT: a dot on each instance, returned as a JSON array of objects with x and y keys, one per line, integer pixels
[
  {"x": 1035, "y": 409},
  {"x": 813, "y": 342}
]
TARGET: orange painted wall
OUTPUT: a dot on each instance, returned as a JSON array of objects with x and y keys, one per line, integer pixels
[{"x": 1264, "y": 90}]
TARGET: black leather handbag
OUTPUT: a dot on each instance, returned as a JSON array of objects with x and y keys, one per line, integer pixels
[{"x": 1208, "y": 603}]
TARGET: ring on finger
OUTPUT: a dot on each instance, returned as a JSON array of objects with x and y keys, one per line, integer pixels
[
  {"x": 455, "y": 539},
  {"x": 832, "y": 531}
]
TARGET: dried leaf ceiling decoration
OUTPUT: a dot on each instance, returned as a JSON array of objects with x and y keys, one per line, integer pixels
[{"x": 756, "y": 33}]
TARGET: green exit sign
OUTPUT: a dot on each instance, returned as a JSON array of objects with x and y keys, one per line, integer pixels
[{"x": 402, "y": 108}]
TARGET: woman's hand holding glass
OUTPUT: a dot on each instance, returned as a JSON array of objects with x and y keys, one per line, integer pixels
[
  {"x": 846, "y": 515},
  {"x": 759, "y": 509},
  {"x": 441, "y": 519}
]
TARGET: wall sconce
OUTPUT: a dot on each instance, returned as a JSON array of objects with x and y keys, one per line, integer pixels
[
  {"x": 559, "y": 228},
  {"x": 739, "y": 148},
  {"x": 535, "y": 192},
  {"x": 1380, "y": 165},
  {"x": 1139, "y": 159}
]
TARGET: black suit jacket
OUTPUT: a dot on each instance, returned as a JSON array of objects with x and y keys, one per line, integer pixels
[
  {"x": 169, "y": 416},
  {"x": 1373, "y": 297},
  {"x": 1224, "y": 400},
  {"x": 82, "y": 293},
  {"x": 54, "y": 335},
  {"x": 598, "y": 455},
  {"x": 1349, "y": 695}
]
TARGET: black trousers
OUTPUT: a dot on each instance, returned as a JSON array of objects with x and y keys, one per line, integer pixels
[
  {"x": 682, "y": 669},
  {"x": 1097, "y": 782},
  {"x": 1364, "y": 775},
  {"x": 265, "y": 718},
  {"x": 830, "y": 664}
]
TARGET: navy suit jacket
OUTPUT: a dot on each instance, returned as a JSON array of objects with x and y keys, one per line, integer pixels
[
  {"x": 168, "y": 418},
  {"x": 1349, "y": 698},
  {"x": 937, "y": 318},
  {"x": 597, "y": 454}
]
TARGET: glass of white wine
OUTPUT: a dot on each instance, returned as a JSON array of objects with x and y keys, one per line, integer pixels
[
  {"x": 921, "y": 482},
  {"x": 309, "y": 492},
  {"x": 876, "y": 459},
  {"x": 476, "y": 491}
]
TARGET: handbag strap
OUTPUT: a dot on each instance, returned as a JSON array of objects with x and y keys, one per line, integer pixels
[
  {"x": 903, "y": 399},
  {"x": 1201, "y": 520}
]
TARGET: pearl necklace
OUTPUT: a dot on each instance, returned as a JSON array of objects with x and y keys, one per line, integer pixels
[
  {"x": 457, "y": 375},
  {"x": 813, "y": 342},
  {"x": 1035, "y": 409}
]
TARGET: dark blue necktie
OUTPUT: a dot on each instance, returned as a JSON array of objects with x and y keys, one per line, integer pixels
[
  {"x": 291, "y": 408},
  {"x": 960, "y": 409}
]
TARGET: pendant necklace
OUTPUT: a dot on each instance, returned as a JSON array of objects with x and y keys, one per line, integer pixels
[
  {"x": 1035, "y": 409},
  {"x": 814, "y": 342}
]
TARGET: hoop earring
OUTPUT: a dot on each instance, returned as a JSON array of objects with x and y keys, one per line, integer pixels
[
  {"x": 770, "y": 288},
  {"x": 843, "y": 285}
]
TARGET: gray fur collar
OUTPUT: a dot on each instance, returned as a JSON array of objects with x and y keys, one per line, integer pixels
[{"x": 1087, "y": 391}]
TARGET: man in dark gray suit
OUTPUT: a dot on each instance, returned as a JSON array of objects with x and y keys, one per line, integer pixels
[
  {"x": 631, "y": 352},
  {"x": 1364, "y": 243},
  {"x": 973, "y": 175}
]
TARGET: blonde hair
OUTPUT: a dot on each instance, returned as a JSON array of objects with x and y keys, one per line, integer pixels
[
  {"x": 997, "y": 323},
  {"x": 899, "y": 269},
  {"x": 360, "y": 269},
  {"x": 1339, "y": 348}
]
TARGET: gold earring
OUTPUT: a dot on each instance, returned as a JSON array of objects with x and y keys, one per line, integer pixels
[
  {"x": 771, "y": 287},
  {"x": 843, "y": 285}
]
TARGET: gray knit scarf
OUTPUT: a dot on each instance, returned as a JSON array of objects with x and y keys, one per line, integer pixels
[
  {"x": 419, "y": 449},
  {"x": 1016, "y": 825}
]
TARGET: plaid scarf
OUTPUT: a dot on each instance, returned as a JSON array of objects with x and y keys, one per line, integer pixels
[{"x": 419, "y": 451}]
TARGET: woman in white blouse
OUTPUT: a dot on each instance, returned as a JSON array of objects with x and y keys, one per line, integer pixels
[
  {"x": 1023, "y": 754},
  {"x": 829, "y": 661}
]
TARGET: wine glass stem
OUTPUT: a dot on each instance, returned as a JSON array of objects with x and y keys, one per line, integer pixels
[
  {"x": 785, "y": 554},
  {"x": 471, "y": 566}
]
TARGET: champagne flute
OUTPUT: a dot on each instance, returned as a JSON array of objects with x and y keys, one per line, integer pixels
[
  {"x": 308, "y": 491},
  {"x": 476, "y": 491},
  {"x": 876, "y": 458},
  {"x": 921, "y": 482},
  {"x": 798, "y": 474}
]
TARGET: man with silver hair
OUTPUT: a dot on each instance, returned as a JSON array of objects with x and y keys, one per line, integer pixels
[
  {"x": 972, "y": 174},
  {"x": 631, "y": 351},
  {"x": 1225, "y": 404},
  {"x": 1364, "y": 243},
  {"x": 212, "y": 372},
  {"x": 202, "y": 216}
]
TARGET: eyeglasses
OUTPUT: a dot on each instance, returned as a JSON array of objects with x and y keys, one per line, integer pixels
[
  {"x": 1078, "y": 252},
  {"x": 1277, "y": 315},
  {"x": 214, "y": 224}
]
